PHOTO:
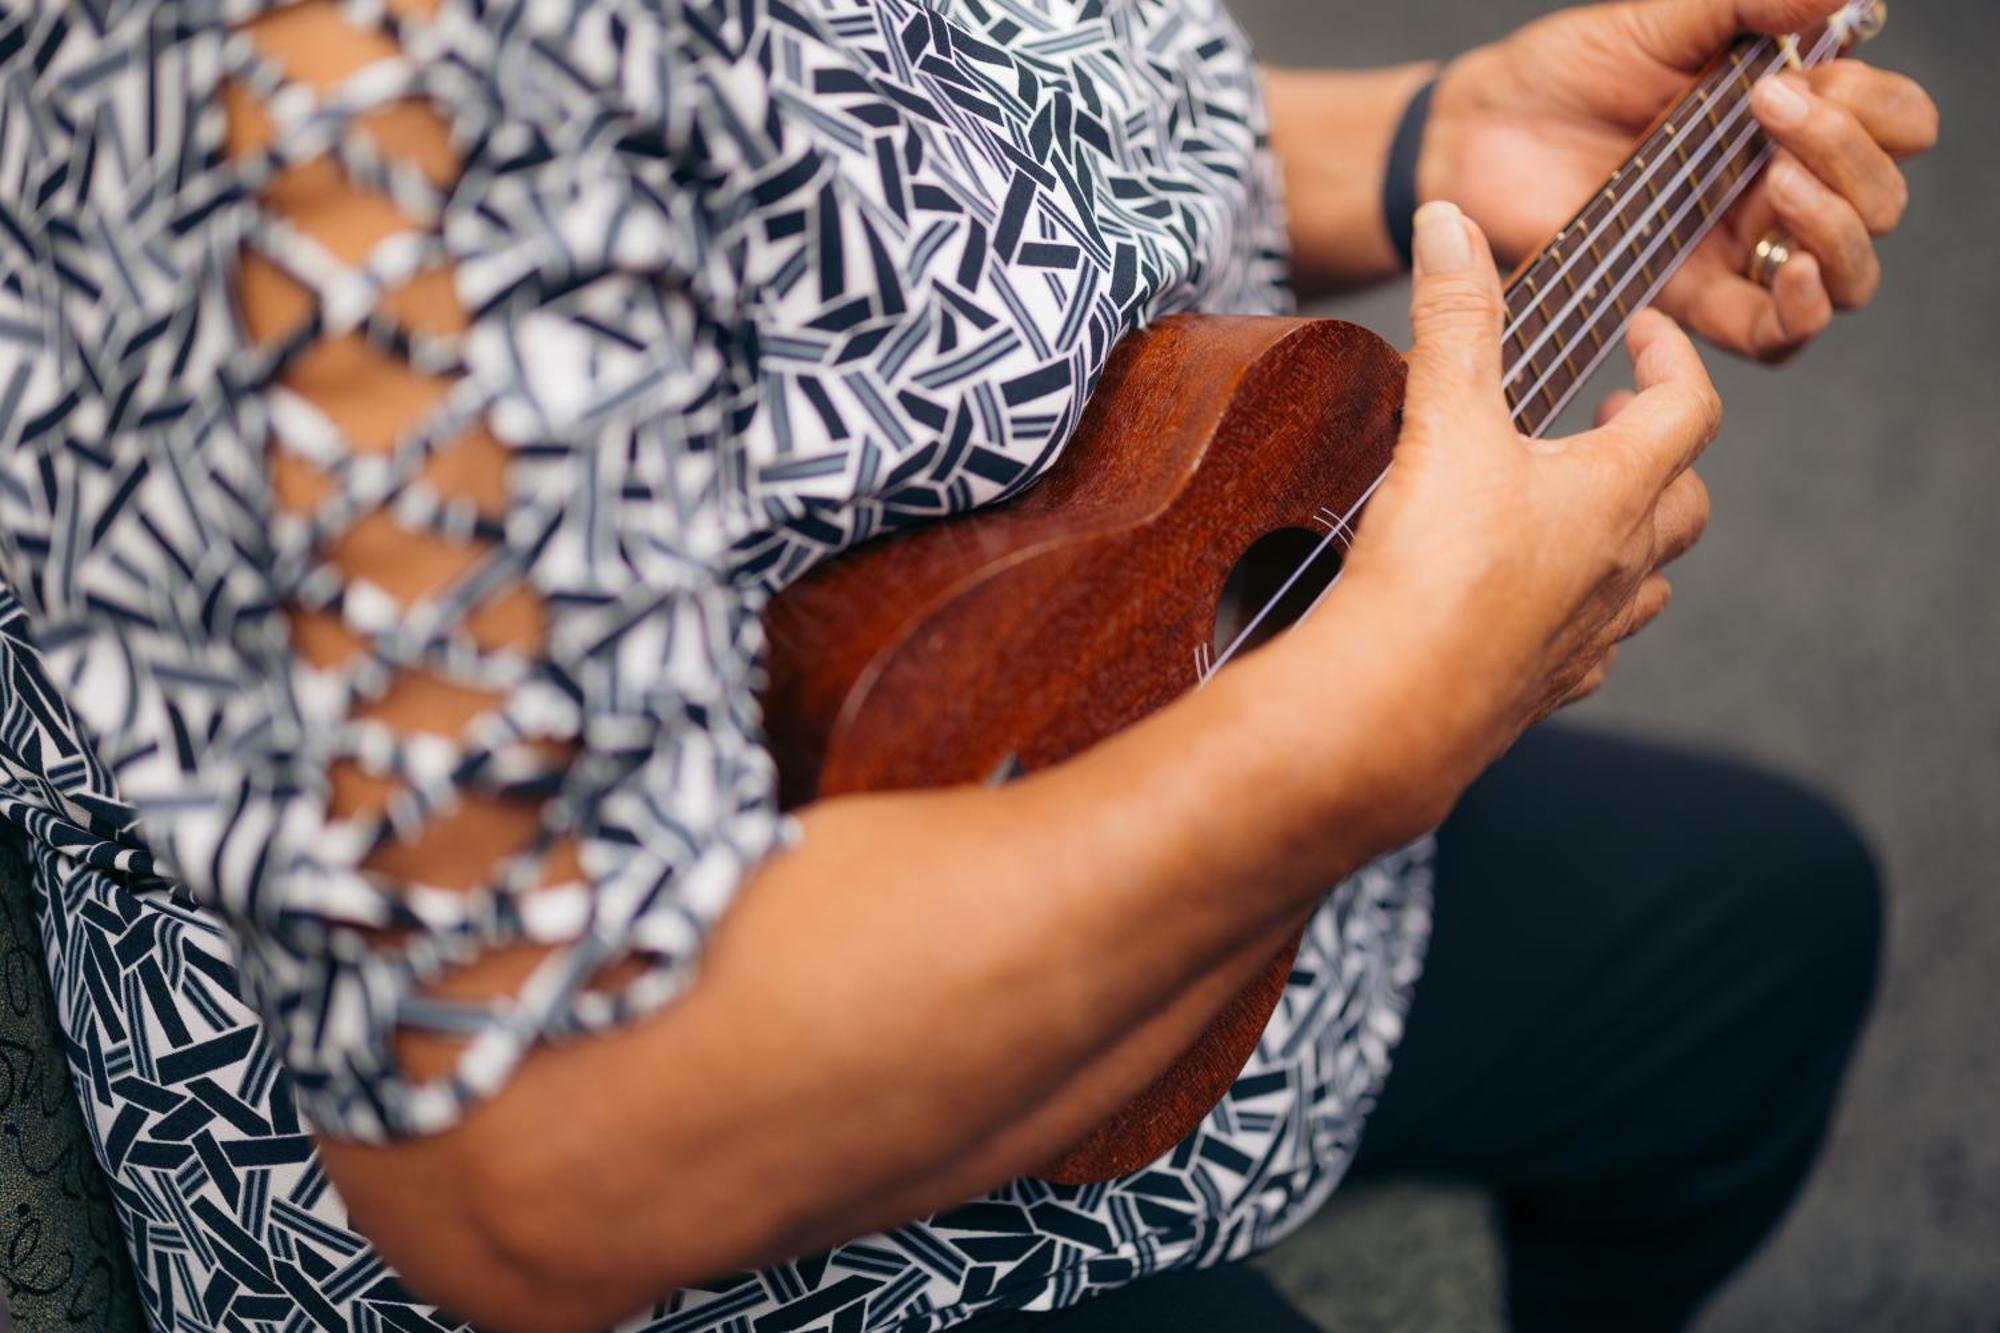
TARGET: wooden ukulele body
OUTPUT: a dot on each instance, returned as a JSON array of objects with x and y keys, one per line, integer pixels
[{"x": 1010, "y": 639}]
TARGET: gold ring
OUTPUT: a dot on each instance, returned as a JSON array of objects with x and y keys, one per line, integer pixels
[{"x": 1771, "y": 254}]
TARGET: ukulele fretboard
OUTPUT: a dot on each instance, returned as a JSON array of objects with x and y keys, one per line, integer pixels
[{"x": 1567, "y": 310}]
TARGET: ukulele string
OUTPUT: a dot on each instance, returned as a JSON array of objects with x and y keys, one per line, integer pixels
[
  {"x": 1727, "y": 200},
  {"x": 1755, "y": 163},
  {"x": 1678, "y": 140},
  {"x": 1839, "y": 29},
  {"x": 1333, "y": 533},
  {"x": 1343, "y": 525},
  {"x": 1637, "y": 228}
]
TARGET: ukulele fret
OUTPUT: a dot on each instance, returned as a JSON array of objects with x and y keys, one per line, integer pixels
[{"x": 1566, "y": 308}]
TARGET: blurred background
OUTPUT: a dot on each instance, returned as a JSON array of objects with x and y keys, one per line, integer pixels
[{"x": 1841, "y": 620}]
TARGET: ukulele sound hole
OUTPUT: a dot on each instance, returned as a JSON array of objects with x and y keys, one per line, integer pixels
[
  {"x": 1284, "y": 571},
  {"x": 1006, "y": 771}
]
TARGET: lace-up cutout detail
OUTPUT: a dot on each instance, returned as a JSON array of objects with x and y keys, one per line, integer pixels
[
  {"x": 404, "y": 561},
  {"x": 392, "y": 494}
]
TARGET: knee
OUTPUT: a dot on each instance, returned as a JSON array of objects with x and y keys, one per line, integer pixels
[
  {"x": 1847, "y": 903},
  {"x": 1824, "y": 891}
]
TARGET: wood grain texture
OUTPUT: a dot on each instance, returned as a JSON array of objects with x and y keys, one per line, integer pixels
[{"x": 1035, "y": 629}]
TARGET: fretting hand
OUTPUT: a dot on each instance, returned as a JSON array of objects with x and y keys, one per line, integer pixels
[{"x": 1523, "y": 130}]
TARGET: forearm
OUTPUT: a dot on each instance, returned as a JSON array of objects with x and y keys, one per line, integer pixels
[
  {"x": 1331, "y": 131},
  {"x": 1099, "y": 1087},
  {"x": 933, "y": 993}
]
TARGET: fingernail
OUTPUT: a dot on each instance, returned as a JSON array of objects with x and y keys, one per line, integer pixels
[
  {"x": 1441, "y": 244},
  {"x": 1781, "y": 104}
]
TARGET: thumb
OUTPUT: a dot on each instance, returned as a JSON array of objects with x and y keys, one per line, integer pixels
[
  {"x": 1687, "y": 33},
  {"x": 1456, "y": 311}
]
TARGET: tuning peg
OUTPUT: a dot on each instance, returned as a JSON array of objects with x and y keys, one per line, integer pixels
[{"x": 1861, "y": 21}]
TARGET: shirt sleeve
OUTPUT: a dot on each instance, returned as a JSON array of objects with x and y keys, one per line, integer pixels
[{"x": 736, "y": 298}]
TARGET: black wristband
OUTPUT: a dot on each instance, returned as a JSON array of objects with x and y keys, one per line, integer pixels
[{"x": 1399, "y": 185}]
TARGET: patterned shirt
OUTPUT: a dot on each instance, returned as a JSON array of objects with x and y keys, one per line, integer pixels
[{"x": 747, "y": 284}]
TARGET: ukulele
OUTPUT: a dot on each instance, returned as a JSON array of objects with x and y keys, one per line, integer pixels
[{"x": 1202, "y": 505}]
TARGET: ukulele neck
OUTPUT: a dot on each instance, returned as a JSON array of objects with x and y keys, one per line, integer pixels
[{"x": 1568, "y": 307}]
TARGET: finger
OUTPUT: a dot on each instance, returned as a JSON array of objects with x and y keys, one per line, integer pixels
[
  {"x": 1831, "y": 229},
  {"x": 1593, "y": 680},
  {"x": 1832, "y": 144},
  {"x": 1676, "y": 411},
  {"x": 1679, "y": 519},
  {"x": 1456, "y": 313},
  {"x": 1772, "y": 325},
  {"x": 1661, "y": 353},
  {"x": 1614, "y": 403},
  {"x": 1800, "y": 308},
  {"x": 1646, "y": 606},
  {"x": 1687, "y": 33},
  {"x": 1896, "y": 111}
]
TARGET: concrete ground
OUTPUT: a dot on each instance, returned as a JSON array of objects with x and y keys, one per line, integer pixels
[{"x": 1841, "y": 620}]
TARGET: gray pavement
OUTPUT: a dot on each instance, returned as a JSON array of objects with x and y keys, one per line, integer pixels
[{"x": 1841, "y": 620}]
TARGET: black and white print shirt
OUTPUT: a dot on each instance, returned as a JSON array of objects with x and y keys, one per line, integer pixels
[{"x": 749, "y": 283}]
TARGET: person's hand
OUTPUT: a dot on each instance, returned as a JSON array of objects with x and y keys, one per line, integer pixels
[
  {"x": 1526, "y": 561},
  {"x": 1523, "y": 130}
]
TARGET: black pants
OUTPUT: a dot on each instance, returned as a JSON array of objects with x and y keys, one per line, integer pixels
[{"x": 1648, "y": 973}]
